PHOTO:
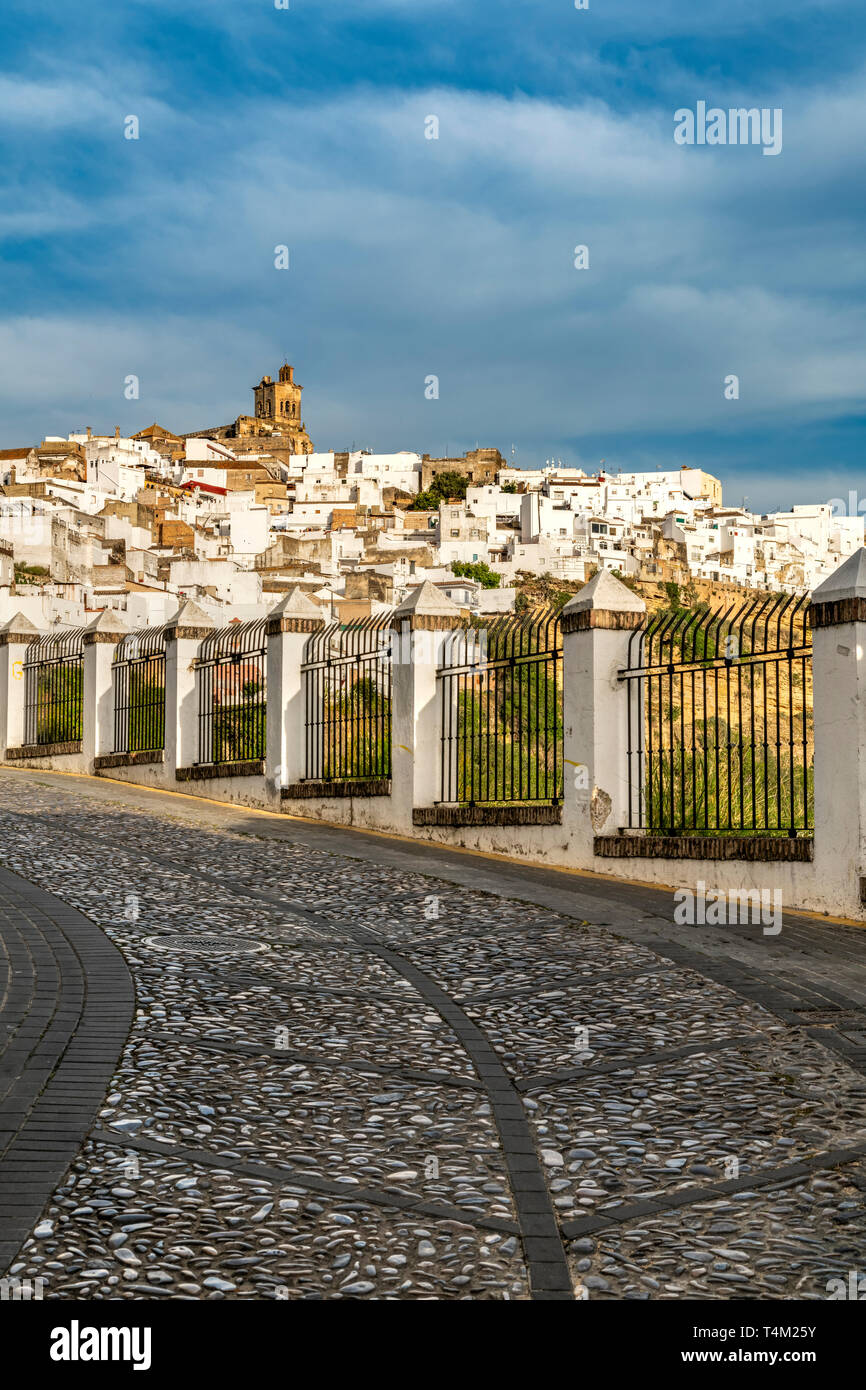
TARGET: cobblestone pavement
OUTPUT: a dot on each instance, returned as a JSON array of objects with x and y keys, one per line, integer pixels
[{"x": 347, "y": 1078}]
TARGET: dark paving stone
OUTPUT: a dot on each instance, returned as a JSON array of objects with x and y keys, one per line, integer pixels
[{"x": 73, "y": 1024}]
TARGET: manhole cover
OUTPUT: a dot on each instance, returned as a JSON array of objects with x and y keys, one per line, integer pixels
[{"x": 207, "y": 944}]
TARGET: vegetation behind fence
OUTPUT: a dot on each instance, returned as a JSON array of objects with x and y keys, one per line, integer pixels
[
  {"x": 500, "y": 691},
  {"x": 138, "y": 680},
  {"x": 720, "y": 735},
  {"x": 232, "y": 694},
  {"x": 53, "y": 688},
  {"x": 347, "y": 680}
]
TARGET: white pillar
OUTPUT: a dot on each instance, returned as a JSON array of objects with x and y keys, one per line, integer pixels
[
  {"x": 421, "y": 626},
  {"x": 838, "y": 616},
  {"x": 289, "y": 627},
  {"x": 597, "y": 626},
  {"x": 15, "y": 637},
  {"x": 182, "y": 639},
  {"x": 97, "y": 713}
]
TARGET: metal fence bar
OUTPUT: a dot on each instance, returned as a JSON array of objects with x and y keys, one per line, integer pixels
[
  {"x": 501, "y": 712},
  {"x": 138, "y": 679},
  {"x": 347, "y": 681},
  {"x": 53, "y": 688},
  {"x": 719, "y": 715},
  {"x": 231, "y": 676}
]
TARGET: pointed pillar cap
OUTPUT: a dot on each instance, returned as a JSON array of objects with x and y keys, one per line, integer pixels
[
  {"x": 841, "y": 598},
  {"x": 605, "y": 602},
  {"x": 189, "y": 622},
  {"x": 295, "y": 612},
  {"x": 18, "y": 629},
  {"x": 428, "y": 609},
  {"x": 848, "y": 581},
  {"x": 108, "y": 626}
]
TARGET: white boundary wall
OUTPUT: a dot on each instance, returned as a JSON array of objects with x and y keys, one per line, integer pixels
[{"x": 597, "y": 627}]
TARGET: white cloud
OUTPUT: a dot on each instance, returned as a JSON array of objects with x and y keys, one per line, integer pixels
[{"x": 454, "y": 256}]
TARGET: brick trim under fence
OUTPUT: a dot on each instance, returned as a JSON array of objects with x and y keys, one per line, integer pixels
[
  {"x": 109, "y": 760},
  {"x": 307, "y": 791},
  {"x": 43, "y": 750},
  {"x": 752, "y": 849},
  {"x": 487, "y": 815},
  {"x": 210, "y": 772}
]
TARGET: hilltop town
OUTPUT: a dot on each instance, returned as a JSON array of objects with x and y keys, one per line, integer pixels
[{"x": 235, "y": 515}]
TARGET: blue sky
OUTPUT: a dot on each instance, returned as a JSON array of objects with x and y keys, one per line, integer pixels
[{"x": 410, "y": 257}]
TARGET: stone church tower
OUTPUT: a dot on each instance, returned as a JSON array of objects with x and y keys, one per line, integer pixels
[
  {"x": 279, "y": 402},
  {"x": 277, "y": 426},
  {"x": 278, "y": 411}
]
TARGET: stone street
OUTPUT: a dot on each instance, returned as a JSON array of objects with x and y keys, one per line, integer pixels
[{"x": 250, "y": 1057}]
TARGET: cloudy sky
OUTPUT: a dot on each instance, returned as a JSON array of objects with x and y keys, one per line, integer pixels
[{"x": 412, "y": 257}]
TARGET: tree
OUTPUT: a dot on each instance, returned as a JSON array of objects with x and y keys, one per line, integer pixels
[
  {"x": 425, "y": 502},
  {"x": 479, "y": 571},
  {"x": 450, "y": 485},
  {"x": 443, "y": 488},
  {"x": 672, "y": 590}
]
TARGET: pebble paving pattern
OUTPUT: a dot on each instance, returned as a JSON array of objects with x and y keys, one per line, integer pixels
[{"x": 419, "y": 1091}]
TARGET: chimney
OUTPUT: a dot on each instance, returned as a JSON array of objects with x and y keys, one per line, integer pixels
[
  {"x": 89, "y": 432},
  {"x": 117, "y": 431}
]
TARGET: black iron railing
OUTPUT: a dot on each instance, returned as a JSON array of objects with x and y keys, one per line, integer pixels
[
  {"x": 53, "y": 688},
  {"x": 500, "y": 703},
  {"x": 347, "y": 701},
  {"x": 720, "y": 720},
  {"x": 231, "y": 676},
  {"x": 138, "y": 679}
]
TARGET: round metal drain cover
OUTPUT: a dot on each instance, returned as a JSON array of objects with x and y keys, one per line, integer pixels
[{"x": 207, "y": 944}]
